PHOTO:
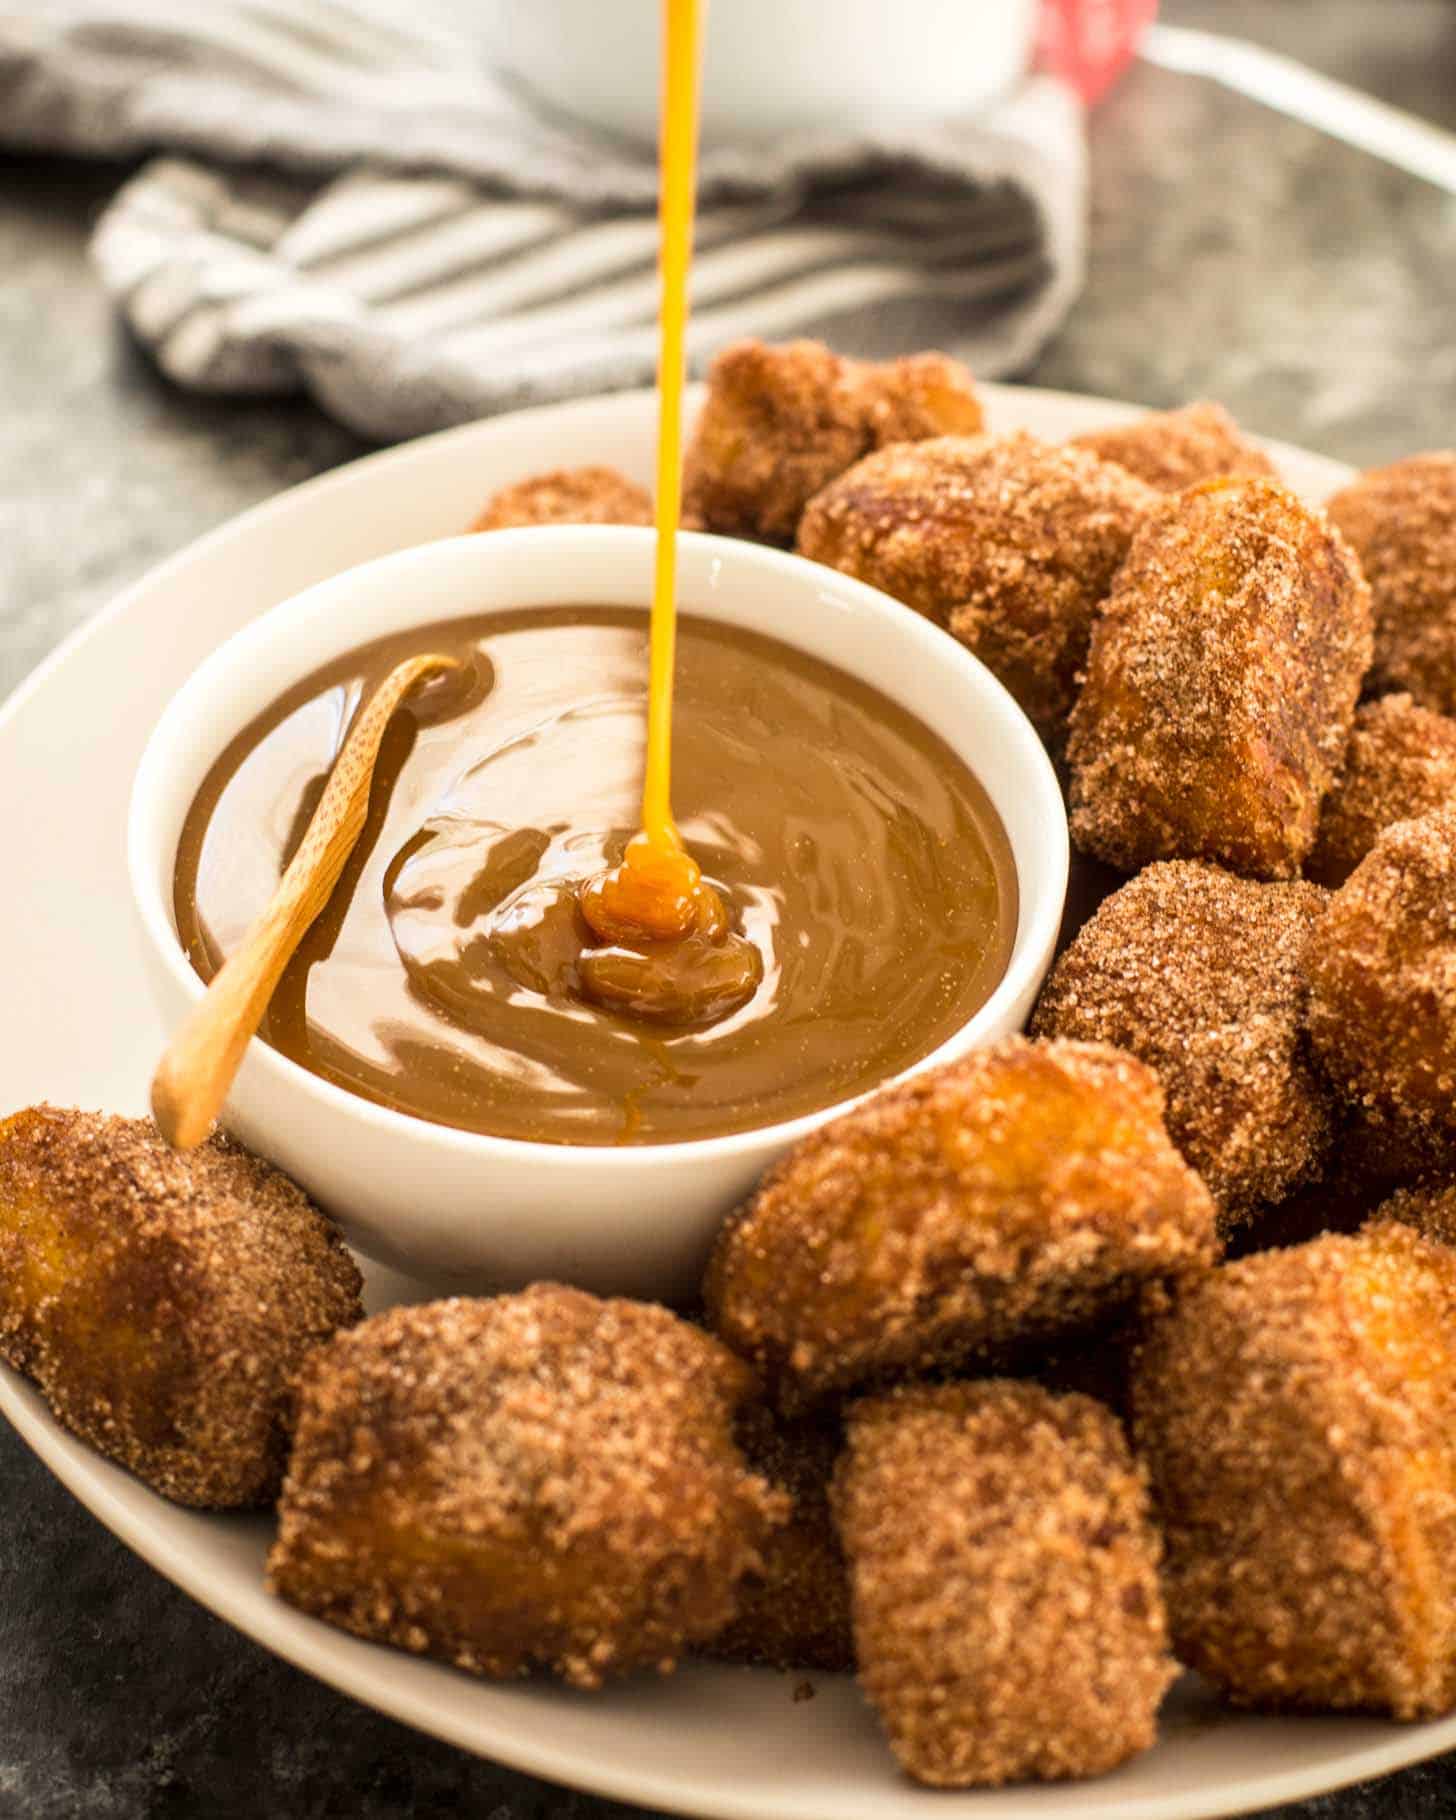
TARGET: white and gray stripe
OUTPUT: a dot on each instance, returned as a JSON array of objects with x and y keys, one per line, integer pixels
[{"x": 475, "y": 256}]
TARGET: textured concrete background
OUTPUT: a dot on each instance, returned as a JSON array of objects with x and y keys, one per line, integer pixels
[{"x": 1234, "y": 255}]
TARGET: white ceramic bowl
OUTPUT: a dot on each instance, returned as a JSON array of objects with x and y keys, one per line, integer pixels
[
  {"x": 769, "y": 66},
  {"x": 476, "y": 1211}
]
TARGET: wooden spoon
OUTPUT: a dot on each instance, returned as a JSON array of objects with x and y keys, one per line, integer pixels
[{"x": 194, "y": 1074}]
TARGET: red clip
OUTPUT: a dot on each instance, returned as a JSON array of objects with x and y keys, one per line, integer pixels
[{"x": 1088, "y": 43}]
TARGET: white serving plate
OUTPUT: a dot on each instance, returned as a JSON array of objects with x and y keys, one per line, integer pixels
[{"x": 79, "y": 1029}]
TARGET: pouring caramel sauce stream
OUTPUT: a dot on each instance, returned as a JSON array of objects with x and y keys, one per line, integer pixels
[{"x": 668, "y": 950}]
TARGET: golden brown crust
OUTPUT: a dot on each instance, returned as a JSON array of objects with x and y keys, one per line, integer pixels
[
  {"x": 1026, "y": 1191},
  {"x": 918, "y": 396},
  {"x": 1171, "y": 450},
  {"x": 1221, "y": 684},
  {"x": 567, "y": 496},
  {"x": 163, "y": 1301},
  {"x": 1007, "y": 1613},
  {"x": 1402, "y": 522},
  {"x": 780, "y": 422},
  {"x": 1008, "y": 542},
  {"x": 542, "y": 1478},
  {"x": 793, "y": 1613},
  {"x": 1202, "y": 976},
  {"x": 1429, "y": 1208},
  {"x": 1400, "y": 763},
  {"x": 1297, "y": 1411},
  {"x": 1382, "y": 1014}
]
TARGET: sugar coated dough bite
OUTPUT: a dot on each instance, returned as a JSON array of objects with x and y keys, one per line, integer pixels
[
  {"x": 1400, "y": 764},
  {"x": 1004, "y": 1583},
  {"x": 1171, "y": 450},
  {"x": 1027, "y": 1191},
  {"x": 534, "y": 1480},
  {"x": 779, "y": 422},
  {"x": 1382, "y": 1012},
  {"x": 1297, "y": 1411},
  {"x": 1008, "y": 542},
  {"x": 163, "y": 1302},
  {"x": 567, "y": 496},
  {"x": 1401, "y": 521},
  {"x": 1203, "y": 976},
  {"x": 1221, "y": 685}
]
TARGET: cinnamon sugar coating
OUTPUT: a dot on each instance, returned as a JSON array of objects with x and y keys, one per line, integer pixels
[
  {"x": 794, "y": 1612},
  {"x": 1008, "y": 542},
  {"x": 1171, "y": 450},
  {"x": 1430, "y": 1208},
  {"x": 567, "y": 496},
  {"x": 1402, "y": 522},
  {"x": 780, "y": 422},
  {"x": 1202, "y": 976},
  {"x": 535, "y": 1479},
  {"x": 162, "y": 1300},
  {"x": 1400, "y": 763},
  {"x": 1382, "y": 1013},
  {"x": 1007, "y": 1613},
  {"x": 1297, "y": 1411},
  {"x": 1221, "y": 684},
  {"x": 1026, "y": 1191}
]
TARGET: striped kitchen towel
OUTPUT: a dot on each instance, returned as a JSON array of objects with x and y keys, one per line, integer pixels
[{"x": 352, "y": 205}]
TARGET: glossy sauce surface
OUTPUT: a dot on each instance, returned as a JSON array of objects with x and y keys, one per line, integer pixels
[{"x": 850, "y": 847}]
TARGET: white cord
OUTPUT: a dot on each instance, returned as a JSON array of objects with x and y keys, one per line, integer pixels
[{"x": 1291, "y": 88}]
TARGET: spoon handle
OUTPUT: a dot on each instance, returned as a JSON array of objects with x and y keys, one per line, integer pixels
[{"x": 197, "y": 1068}]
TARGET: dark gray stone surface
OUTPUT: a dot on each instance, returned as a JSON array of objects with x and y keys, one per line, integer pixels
[
  {"x": 1242, "y": 256},
  {"x": 1234, "y": 255}
]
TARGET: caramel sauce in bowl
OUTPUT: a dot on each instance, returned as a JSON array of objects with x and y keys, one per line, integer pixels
[{"x": 612, "y": 1205}]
